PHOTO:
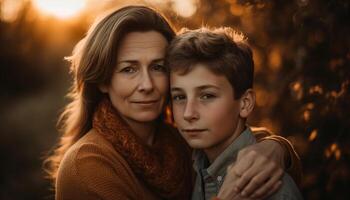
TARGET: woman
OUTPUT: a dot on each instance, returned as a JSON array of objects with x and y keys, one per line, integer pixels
[{"x": 115, "y": 143}]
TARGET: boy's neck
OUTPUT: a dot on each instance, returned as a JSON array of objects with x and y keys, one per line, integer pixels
[{"x": 213, "y": 152}]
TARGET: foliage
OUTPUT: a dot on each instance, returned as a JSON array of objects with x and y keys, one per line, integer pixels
[{"x": 302, "y": 78}]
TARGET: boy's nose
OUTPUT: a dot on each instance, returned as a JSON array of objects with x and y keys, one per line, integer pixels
[{"x": 190, "y": 113}]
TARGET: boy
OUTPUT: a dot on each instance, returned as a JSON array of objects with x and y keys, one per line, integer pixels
[{"x": 211, "y": 88}]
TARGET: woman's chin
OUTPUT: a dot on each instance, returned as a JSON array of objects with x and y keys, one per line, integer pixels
[{"x": 146, "y": 117}]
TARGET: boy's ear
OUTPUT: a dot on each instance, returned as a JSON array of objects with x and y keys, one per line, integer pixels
[
  {"x": 247, "y": 102},
  {"x": 103, "y": 88}
]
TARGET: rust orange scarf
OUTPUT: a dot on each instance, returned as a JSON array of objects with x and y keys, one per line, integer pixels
[{"x": 164, "y": 167}]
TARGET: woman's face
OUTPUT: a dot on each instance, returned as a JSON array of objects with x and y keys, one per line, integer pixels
[{"x": 140, "y": 82}]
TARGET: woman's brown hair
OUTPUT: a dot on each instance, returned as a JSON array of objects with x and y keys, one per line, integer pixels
[{"x": 92, "y": 64}]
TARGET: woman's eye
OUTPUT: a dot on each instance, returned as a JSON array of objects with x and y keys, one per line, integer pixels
[
  {"x": 128, "y": 70},
  {"x": 159, "y": 68}
]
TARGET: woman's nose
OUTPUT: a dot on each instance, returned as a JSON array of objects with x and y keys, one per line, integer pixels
[{"x": 146, "y": 83}]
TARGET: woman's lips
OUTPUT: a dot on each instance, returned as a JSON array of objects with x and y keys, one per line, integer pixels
[{"x": 146, "y": 104}]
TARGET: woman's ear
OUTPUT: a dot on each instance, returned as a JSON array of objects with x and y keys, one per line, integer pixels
[
  {"x": 103, "y": 88},
  {"x": 247, "y": 102}
]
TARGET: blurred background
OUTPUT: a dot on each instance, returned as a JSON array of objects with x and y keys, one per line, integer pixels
[{"x": 302, "y": 78}]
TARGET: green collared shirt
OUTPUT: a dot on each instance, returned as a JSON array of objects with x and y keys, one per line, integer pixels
[{"x": 211, "y": 176}]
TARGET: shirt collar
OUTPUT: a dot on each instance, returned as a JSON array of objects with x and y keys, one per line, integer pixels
[{"x": 227, "y": 157}]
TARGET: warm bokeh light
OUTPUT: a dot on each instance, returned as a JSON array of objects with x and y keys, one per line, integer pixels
[
  {"x": 333, "y": 149},
  {"x": 306, "y": 115},
  {"x": 337, "y": 154},
  {"x": 297, "y": 90},
  {"x": 313, "y": 135},
  {"x": 185, "y": 8},
  {"x": 310, "y": 106},
  {"x": 168, "y": 115},
  {"x": 317, "y": 89},
  {"x": 237, "y": 10},
  {"x": 275, "y": 59},
  {"x": 9, "y": 10},
  {"x": 62, "y": 9},
  {"x": 296, "y": 86},
  {"x": 262, "y": 96}
]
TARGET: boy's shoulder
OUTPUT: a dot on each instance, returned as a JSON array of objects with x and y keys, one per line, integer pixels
[{"x": 288, "y": 191}]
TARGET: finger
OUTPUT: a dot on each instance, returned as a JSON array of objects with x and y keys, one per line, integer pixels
[
  {"x": 228, "y": 189},
  {"x": 244, "y": 180},
  {"x": 268, "y": 186},
  {"x": 236, "y": 171},
  {"x": 253, "y": 170},
  {"x": 257, "y": 181},
  {"x": 232, "y": 177},
  {"x": 230, "y": 167},
  {"x": 243, "y": 163}
]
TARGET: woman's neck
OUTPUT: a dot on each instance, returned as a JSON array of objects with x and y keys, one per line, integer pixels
[{"x": 143, "y": 130}]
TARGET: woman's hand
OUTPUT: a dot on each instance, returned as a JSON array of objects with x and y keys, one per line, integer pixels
[
  {"x": 256, "y": 173},
  {"x": 227, "y": 192}
]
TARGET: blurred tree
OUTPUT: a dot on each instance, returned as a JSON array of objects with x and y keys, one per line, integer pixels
[
  {"x": 19, "y": 71},
  {"x": 33, "y": 81},
  {"x": 302, "y": 77}
]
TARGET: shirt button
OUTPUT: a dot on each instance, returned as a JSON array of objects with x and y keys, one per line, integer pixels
[{"x": 219, "y": 178}]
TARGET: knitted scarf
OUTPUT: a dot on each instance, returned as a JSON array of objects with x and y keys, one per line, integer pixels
[{"x": 164, "y": 167}]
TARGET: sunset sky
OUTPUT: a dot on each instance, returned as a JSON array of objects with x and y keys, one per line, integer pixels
[{"x": 68, "y": 9}]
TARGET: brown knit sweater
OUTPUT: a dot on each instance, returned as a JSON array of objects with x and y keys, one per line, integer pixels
[{"x": 92, "y": 169}]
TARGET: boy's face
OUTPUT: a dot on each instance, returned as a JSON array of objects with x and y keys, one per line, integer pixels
[{"x": 204, "y": 108}]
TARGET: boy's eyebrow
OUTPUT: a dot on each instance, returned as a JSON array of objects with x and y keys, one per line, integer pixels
[
  {"x": 136, "y": 61},
  {"x": 175, "y": 89},
  {"x": 203, "y": 87}
]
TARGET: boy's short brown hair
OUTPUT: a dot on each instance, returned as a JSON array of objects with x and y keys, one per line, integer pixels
[{"x": 222, "y": 50}]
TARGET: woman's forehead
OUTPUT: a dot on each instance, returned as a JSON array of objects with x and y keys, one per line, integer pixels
[{"x": 139, "y": 44}]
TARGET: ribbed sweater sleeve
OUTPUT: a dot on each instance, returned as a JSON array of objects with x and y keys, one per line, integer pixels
[
  {"x": 291, "y": 159},
  {"x": 90, "y": 173}
]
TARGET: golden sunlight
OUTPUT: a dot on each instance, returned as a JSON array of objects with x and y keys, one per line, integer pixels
[
  {"x": 9, "y": 10},
  {"x": 185, "y": 8},
  {"x": 62, "y": 9}
]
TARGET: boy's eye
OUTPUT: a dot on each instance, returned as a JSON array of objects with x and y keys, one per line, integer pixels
[
  {"x": 128, "y": 70},
  {"x": 178, "y": 97},
  {"x": 159, "y": 68},
  {"x": 207, "y": 96}
]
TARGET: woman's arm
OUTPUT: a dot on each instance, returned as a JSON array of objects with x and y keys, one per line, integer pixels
[
  {"x": 259, "y": 168},
  {"x": 90, "y": 173}
]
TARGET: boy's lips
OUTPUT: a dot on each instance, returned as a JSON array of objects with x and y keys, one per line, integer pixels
[{"x": 193, "y": 131}]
